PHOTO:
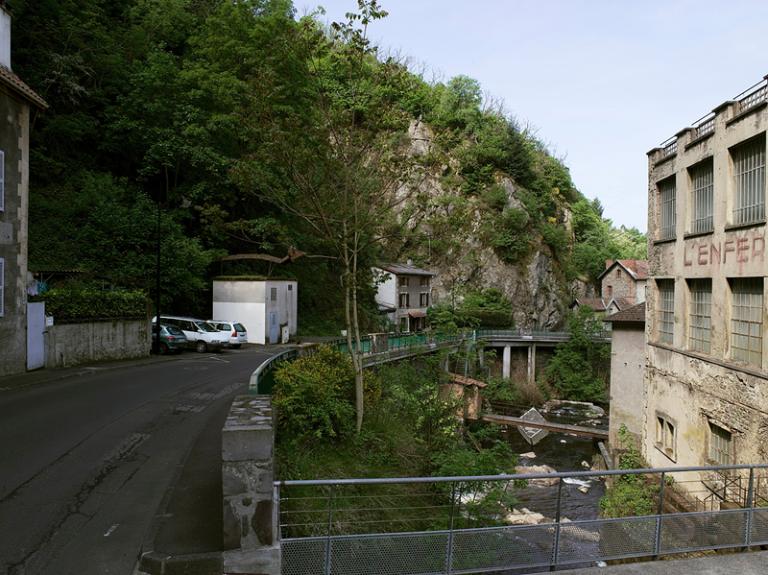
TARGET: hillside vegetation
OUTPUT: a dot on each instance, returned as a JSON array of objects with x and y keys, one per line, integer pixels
[{"x": 255, "y": 132}]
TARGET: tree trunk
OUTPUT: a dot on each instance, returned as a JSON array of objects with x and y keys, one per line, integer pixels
[{"x": 357, "y": 356}]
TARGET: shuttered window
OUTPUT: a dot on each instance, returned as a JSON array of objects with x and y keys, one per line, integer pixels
[
  {"x": 719, "y": 445},
  {"x": 666, "y": 310},
  {"x": 749, "y": 173},
  {"x": 700, "y": 315},
  {"x": 747, "y": 320},
  {"x": 702, "y": 196},
  {"x": 667, "y": 203}
]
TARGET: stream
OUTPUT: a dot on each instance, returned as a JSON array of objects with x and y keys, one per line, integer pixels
[{"x": 563, "y": 452}]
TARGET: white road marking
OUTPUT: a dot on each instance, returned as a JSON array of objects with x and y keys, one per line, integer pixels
[{"x": 111, "y": 530}]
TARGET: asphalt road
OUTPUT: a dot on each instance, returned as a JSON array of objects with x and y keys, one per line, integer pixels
[{"x": 85, "y": 461}]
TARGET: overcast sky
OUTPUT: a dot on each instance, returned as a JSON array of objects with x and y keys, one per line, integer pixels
[{"x": 602, "y": 81}]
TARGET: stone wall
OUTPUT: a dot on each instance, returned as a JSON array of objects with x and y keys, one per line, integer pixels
[
  {"x": 251, "y": 533},
  {"x": 69, "y": 344}
]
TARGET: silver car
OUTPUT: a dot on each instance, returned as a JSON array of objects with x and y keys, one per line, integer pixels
[{"x": 236, "y": 331}]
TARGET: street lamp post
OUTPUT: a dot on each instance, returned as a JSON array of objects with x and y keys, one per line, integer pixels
[{"x": 156, "y": 325}]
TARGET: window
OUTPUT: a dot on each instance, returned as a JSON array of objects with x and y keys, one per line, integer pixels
[
  {"x": 666, "y": 310},
  {"x": 2, "y": 287},
  {"x": 667, "y": 209},
  {"x": 608, "y": 291},
  {"x": 273, "y": 294},
  {"x": 403, "y": 324},
  {"x": 719, "y": 445},
  {"x": 424, "y": 281},
  {"x": 700, "y": 315},
  {"x": 405, "y": 300},
  {"x": 749, "y": 175},
  {"x": 290, "y": 287},
  {"x": 618, "y": 273},
  {"x": 702, "y": 196},
  {"x": 2, "y": 194},
  {"x": 424, "y": 300},
  {"x": 747, "y": 320},
  {"x": 402, "y": 281},
  {"x": 665, "y": 436}
]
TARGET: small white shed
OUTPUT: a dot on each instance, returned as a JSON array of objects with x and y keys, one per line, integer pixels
[{"x": 267, "y": 308}]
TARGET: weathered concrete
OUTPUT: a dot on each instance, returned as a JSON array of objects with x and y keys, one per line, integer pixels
[
  {"x": 694, "y": 390},
  {"x": 627, "y": 391},
  {"x": 71, "y": 344},
  {"x": 251, "y": 531}
]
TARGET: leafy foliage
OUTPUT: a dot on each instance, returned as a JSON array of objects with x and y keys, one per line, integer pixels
[
  {"x": 484, "y": 308},
  {"x": 579, "y": 368},
  {"x": 312, "y": 396},
  {"x": 629, "y": 495},
  {"x": 77, "y": 302}
]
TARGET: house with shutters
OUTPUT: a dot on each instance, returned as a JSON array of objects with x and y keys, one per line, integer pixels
[
  {"x": 404, "y": 294},
  {"x": 17, "y": 103}
]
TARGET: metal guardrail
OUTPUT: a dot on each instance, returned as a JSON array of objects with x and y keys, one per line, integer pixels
[
  {"x": 381, "y": 348},
  {"x": 448, "y": 525}
]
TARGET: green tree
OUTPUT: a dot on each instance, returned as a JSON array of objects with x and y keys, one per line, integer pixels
[{"x": 578, "y": 369}]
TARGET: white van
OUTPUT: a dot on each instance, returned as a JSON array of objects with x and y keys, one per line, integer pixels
[{"x": 201, "y": 335}]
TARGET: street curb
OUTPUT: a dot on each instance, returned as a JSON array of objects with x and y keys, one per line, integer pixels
[{"x": 156, "y": 563}]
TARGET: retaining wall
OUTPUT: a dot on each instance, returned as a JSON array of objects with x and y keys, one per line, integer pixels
[{"x": 69, "y": 344}]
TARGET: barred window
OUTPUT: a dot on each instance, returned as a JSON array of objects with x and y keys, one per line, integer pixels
[
  {"x": 747, "y": 320},
  {"x": 719, "y": 445},
  {"x": 703, "y": 197},
  {"x": 667, "y": 203},
  {"x": 749, "y": 173},
  {"x": 666, "y": 307},
  {"x": 700, "y": 315}
]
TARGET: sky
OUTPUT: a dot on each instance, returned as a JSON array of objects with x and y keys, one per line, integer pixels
[{"x": 601, "y": 82}]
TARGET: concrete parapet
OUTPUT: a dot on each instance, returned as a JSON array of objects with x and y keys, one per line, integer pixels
[{"x": 251, "y": 532}]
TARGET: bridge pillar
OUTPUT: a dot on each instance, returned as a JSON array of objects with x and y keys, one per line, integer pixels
[
  {"x": 532, "y": 363},
  {"x": 506, "y": 362}
]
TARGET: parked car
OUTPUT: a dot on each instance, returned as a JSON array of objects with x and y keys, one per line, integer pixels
[
  {"x": 201, "y": 335},
  {"x": 236, "y": 332},
  {"x": 172, "y": 339}
]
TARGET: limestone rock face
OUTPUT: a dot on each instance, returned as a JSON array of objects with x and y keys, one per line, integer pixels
[{"x": 452, "y": 231}]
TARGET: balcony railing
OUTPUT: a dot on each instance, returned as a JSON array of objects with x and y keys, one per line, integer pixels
[{"x": 754, "y": 96}]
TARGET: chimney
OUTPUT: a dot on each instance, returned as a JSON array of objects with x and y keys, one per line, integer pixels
[
  {"x": 409, "y": 262},
  {"x": 5, "y": 35},
  {"x": 608, "y": 263}
]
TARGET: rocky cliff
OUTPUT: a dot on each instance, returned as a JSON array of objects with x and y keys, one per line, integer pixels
[{"x": 449, "y": 233}]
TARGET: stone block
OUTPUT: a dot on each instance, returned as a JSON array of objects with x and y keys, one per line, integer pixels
[
  {"x": 232, "y": 533},
  {"x": 247, "y": 477},
  {"x": 263, "y": 561},
  {"x": 247, "y": 443}
]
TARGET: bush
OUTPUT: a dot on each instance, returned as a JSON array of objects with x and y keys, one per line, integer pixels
[
  {"x": 314, "y": 396},
  {"x": 630, "y": 495},
  {"x": 69, "y": 303}
]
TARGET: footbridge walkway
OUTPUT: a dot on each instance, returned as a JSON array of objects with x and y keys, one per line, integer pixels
[{"x": 379, "y": 348}]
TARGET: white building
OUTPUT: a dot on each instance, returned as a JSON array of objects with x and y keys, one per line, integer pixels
[
  {"x": 404, "y": 293},
  {"x": 267, "y": 308}
]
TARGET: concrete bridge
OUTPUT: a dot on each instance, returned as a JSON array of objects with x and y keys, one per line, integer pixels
[
  {"x": 379, "y": 348},
  {"x": 521, "y": 347}
]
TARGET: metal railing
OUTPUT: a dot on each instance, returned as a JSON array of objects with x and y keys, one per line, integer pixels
[
  {"x": 447, "y": 525},
  {"x": 380, "y": 348},
  {"x": 704, "y": 126},
  {"x": 752, "y": 96},
  {"x": 669, "y": 149}
]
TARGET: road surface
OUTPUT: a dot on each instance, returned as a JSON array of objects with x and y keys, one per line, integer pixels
[{"x": 85, "y": 461}]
